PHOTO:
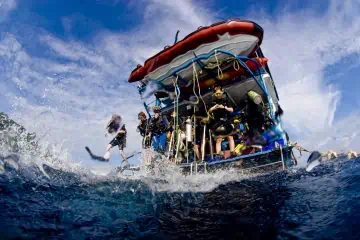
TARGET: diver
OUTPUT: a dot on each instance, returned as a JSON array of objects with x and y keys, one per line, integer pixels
[
  {"x": 158, "y": 129},
  {"x": 198, "y": 137},
  {"x": 256, "y": 113},
  {"x": 144, "y": 130},
  {"x": 114, "y": 127},
  {"x": 221, "y": 126}
]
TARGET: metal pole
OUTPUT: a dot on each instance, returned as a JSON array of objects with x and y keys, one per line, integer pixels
[
  {"x": 282, "y": 158},
  {"x": 170, "y": 144},
  {"x": 177, "y": 144},
  {"x": 187, "y": 152},
  {"x": 211, "y": 145},
  {"x": 194, "y": 130},
  {"x": 203, "y": 143}
]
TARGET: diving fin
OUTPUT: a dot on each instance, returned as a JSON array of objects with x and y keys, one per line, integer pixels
[{"x": 95, "y": 157}]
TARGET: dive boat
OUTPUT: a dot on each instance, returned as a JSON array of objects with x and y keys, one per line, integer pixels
[{"x": 180, "y": 80}]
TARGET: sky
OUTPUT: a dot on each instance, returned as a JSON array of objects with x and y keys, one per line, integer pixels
[{"x": 64, "y": 64}]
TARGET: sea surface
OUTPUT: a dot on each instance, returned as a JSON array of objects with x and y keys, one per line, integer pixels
[{"x": 41, "y": 202}]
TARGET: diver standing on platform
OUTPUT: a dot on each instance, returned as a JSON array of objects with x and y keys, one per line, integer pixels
[
  {"x": 144, "y": 129},
  {"x": 220, "y": 112},
  {"x": 158, "y": 129}
]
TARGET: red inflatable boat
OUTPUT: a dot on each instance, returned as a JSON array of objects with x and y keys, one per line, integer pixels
[{"x": 238, "y": 37}]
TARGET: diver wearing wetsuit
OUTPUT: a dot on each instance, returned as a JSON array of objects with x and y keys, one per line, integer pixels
[
  {"x": 144, "y": 129},
  {"x": 119, "y": 140},
  {"x": 158, "y": 129},
  {"x": 256, "y": 117},
  {"x": 220, "y": 126}
]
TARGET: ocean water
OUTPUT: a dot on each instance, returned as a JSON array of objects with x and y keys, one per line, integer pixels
[{"x": 41, "y": 202}]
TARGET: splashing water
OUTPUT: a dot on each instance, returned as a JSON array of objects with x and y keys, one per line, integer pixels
[
  {"x": 50, "y": 197},
  {"x": 45, "y": 195}
]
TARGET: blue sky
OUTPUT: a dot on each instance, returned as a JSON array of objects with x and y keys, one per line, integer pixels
[{"x": 64, "y": 64}]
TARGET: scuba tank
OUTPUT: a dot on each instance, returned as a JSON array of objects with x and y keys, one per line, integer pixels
[
  {"x": 188, "y": 129},
  {"x": 239, "y": 148},
  {"x": 255, "y": 97},
  {"x": 261, "y": 107}
]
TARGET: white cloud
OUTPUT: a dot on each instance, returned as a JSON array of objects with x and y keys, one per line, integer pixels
[
  {"x": 300, "y": 46},
  {"x": 342, "y": 136},
  {"x": 6, "y": 6},
  {"x": 69, "y": 96}
]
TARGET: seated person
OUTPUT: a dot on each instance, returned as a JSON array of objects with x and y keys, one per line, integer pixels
[{"x": 221, "y": 126}]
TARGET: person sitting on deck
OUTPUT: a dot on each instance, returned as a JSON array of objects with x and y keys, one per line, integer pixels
[
  {"x": 143, "y": 129},
  {"x": 221, "y": 127},
  {"x": 158, "y": 129},
  {"x": 113, "y": 127}
]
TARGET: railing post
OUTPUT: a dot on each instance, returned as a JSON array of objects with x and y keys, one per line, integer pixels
[
  {"x": 203, "y": 144},
  {"x": 282, "y": 157}
]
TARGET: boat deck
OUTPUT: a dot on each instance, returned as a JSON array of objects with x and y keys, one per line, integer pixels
[{"x": 281, "y": 157}]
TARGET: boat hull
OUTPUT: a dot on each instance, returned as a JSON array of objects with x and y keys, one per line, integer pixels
[{"x": 236, "y": 36}]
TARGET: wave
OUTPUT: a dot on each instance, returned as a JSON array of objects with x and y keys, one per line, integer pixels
[{"x": 286, "y": 204}]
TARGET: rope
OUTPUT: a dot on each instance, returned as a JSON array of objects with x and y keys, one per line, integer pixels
[
  {"x": 196, "y": 77},
  {"x": 170, "y": 145},
  {"x": 219, "y": 72},
  {"x": 194, "y": 86},
  {"x": 177, "y": 90},
  {"x": 177, "y": 135},
  {"x": 260, "y": 83},
  {"x": 236, "y": 65}
]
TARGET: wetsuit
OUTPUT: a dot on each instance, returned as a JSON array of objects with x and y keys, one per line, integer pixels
[
  {"x": 120, "y": 138},
  {"x": 255, "y": 117},
  {"x": 158, "y": 128},
  {"x": 220, "y": 124},
  {"x": 144, "y": 130}
]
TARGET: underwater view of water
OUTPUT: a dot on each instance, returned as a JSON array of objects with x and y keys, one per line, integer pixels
[{"x": 45, "y": 203}]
